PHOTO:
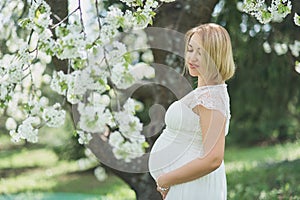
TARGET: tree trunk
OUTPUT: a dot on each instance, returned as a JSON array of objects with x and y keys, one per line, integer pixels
[{"x": 142, "y": 183}]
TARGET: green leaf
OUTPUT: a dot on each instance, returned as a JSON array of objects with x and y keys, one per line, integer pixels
[
  {"x": 127, "y": 57},
  {"x": 145, "y": 145},
  {"x": 121, "y": 21},
  {"x": 283, "y": 9},
  {"x": 266, "y": 15},
  {"x": 75, "y": 133},
  {"x": 2, "y": 104},
  {"x": 78, "y": 63},
  {"x": 27, "y": 107},
  {"x": 24, "y": 22},
  {"x": 89, "y": 46},
  {"x": 63, "y": 85},
  {"x": 139, "y": 2},
  {"x": 140, "y": 17}
]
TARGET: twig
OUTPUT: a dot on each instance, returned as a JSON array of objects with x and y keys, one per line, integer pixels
[
  {"x": 83, "y": 29},
  {"x": 81, "y": 19},
  {"x": 98, "y": 16},
  {"x": 113, "y": 85},
  {"x": 64, "y": 19},
  {"x": 68, "y": 72},
  {"x": 30, "y": 36}
]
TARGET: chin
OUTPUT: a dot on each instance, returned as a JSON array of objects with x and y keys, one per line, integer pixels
[{"x": 193, "y": 73}]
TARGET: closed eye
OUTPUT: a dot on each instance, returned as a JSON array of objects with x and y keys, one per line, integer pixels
[{"x": 190, "y": 49}]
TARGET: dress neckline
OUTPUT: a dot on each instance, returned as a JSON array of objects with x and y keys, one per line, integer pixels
[{"x": 208, "y": 86}]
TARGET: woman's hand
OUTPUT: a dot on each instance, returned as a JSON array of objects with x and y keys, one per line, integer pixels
[
  {"x": 161, "y": 187},
  {"x": 163, "y": 192}
]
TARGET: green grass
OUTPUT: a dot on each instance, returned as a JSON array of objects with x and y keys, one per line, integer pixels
[
  {"x": 261, "y": 173},
  {"x": 33, "y": 171},
  {"x": 264, "y": 173}
]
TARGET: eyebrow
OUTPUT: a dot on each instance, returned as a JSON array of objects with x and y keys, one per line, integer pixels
[{"x": 193, "y": 47}]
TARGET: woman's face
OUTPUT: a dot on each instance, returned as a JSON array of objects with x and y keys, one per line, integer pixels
[{"x": 194, "y": 57}]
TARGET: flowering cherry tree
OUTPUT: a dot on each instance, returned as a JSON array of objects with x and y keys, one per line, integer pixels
[{"x": 99, "y": 64}]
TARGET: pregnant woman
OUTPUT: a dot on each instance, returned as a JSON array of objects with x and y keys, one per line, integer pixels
[{"x": 186, "y": 160}]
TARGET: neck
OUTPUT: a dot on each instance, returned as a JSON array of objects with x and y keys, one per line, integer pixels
[{"x": 202, "y": 82}]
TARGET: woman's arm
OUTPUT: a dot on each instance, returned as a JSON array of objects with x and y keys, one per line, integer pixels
[{"x": 212, "y": 123}]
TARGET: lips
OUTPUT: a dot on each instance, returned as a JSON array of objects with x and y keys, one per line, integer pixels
[{"x": 193, "y": 66}]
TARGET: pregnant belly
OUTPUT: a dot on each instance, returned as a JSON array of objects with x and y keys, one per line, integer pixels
[{"x": 171, "y": 150}]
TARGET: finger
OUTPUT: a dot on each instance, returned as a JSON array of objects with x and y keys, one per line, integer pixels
[{"x": 164, "y": 196}]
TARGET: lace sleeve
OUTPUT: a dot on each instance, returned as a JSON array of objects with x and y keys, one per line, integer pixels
[{"x": 212, "y": 97}]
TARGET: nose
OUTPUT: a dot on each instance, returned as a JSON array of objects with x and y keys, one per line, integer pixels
[{"x": 193, "y": 56}]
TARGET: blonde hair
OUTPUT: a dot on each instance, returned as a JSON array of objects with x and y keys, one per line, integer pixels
[{"x": 216, "y": 42}]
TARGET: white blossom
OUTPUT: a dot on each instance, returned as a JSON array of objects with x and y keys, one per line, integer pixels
[
  {"x": 84, "y": 138},
  {"x": 15, "y": 137},
  {"x": 10, "y": 123},
  {"x": 167, "y": 1},
  {"x": 12, "y": 67},
  {"x": 148, "y": 56},
  {"x": 280, "y": 49},
  {"x": 94, "y": 118},
  {"x": 297, "y": 19},
  {"x": 121, "y": 76},
  {"x": 98, "y": 99},
  {"x": 86, "y": 163},
  {"x": 116, "y": 52},
  {"x": 129, "y": 2},
  {"x": 297, "y": 67},
  {"x": 37, "y": 106},
  {"x": 128, "y": 151},
  {"x": 26, "y": 130},
  {"x": 47, "y": 79},
  {"x": 295, "y": 48},
  {"x": 141, "y": 70},
  {"x": 100, "y": 174},
  {"x": 4, "y": 92},
  {"x": 267, "y": 47},
  {"x": 13, "y": 106},
  {"x": 71, "y": 43},
  {"x": 129, "y": 106},
  {"x": 130, "y": 126},
  {"x": 54, "y": 116},
  {"x": 59, "y": 82},
  {"x": 129, "y": 20},
  {"x": 115, "y": 139}
]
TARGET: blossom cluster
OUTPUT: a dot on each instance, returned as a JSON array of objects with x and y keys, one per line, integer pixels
[
  {"x": 100, "y": 63},
  {"x": 276, "y": 12},
  {"x": 128, "y": 142}
]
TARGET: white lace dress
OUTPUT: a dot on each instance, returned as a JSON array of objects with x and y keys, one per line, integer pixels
[{"x": 181, "y": 142}]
